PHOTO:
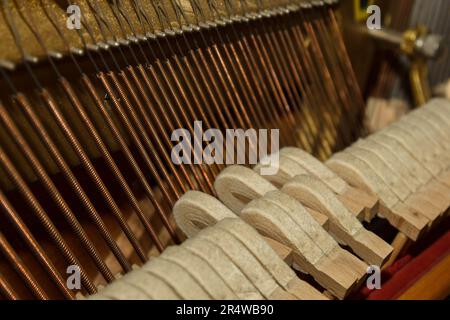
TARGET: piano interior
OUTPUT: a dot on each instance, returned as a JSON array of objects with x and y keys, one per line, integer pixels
[{"x": 224, "y": 149}]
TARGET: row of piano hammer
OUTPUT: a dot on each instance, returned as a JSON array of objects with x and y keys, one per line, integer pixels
[{"x": 308, "y": 217}]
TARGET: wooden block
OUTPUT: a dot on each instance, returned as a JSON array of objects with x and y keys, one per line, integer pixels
[
  {"x": 329, "y": 273},
  {"x": 303, "y": 291},
  {"x": 319, "y": 217},
  {"x": 444, "y": 178},
  {"x": 426, "y": 208},
  {"x": 356, "y": 209},
  {"x": 438, "y": 196},
  {"x": 433, "y": 193},
  {"x": 404, "y": 219},
  {"x": 370, "y": 202},
  {"x": 440, "y": 188},
  {"x": 281, "y": 295},
  {"x": 343, "y": 259},
  {"x": 284, "y": 252}
]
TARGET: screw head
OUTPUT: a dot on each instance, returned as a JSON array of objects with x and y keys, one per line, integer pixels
[{"x": 429, "y": 46}]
